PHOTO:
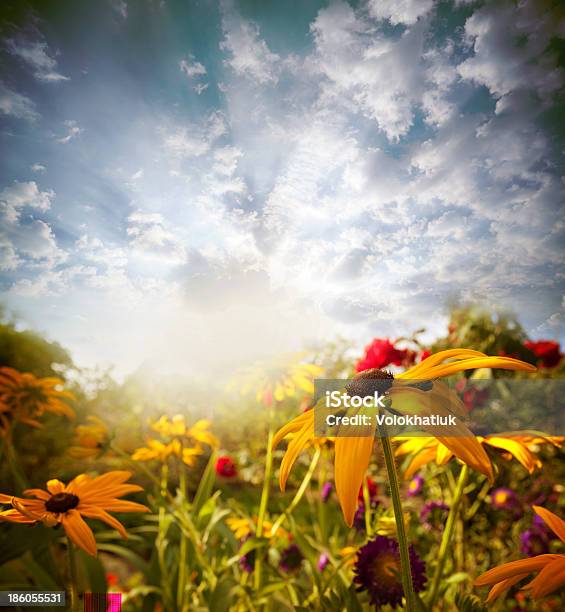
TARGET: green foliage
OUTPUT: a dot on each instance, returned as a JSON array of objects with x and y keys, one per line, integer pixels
[
  {"x": 28, "y": 351},
  {"x": 496, "y": 333}
]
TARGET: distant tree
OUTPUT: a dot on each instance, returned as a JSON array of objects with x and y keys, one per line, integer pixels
[{"x": 27, "y": 351}]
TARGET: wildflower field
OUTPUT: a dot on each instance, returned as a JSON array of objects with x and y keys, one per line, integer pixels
[{"x": 181, "y": 496}]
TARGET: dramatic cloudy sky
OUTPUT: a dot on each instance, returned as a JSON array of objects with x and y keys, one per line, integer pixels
[{"x": 195, "y": 183}]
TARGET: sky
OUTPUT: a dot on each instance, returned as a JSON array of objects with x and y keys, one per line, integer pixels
[{"x": 190, "y": 185}]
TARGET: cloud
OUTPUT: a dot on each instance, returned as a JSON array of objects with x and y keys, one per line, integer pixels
[
  {"x": 21, "y": 195},
  {"x": 16, "y": 105},
  {"x": 399, "y": 11},
  {"x": 200, "y": 88},
  {"x": 196, "y": 139},
  {"x": 379, "y": 75},
  {"x": 39, "y": 168},
  {"x": 149, "y": 238},
  {"x": 510, "y": 44},
  {"x": 192, "y": 68},
  {"x": 121, "y": 7},
  {"x": 25, "y": 240},
  {"x": 73, "y": 130},
  {"x": 250, "y": 55},
  {"x": 36, "y": 55}
]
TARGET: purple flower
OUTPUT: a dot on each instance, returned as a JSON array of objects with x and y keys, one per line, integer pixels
[
  {"x": 377, "y": 571},
  {"x": 433, "y": 515},
  {"x": 247, "y": 561},
  {"x": 503, "y": 499},
  {"x": 323, "y": 561},
  {"x": 535, "y": 540},
  {"x": 415, "y": 486},
  {"x": 327, "y": 491},
  {"x": 291, "y": 558},
  {"x": 359, "y": 517}
]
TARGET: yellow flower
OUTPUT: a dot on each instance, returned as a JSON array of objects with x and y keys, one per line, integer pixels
[
  {"x": 189, "y": 455},
  {"x": 66, "y": 505},
  {"x": 386, "y": 525},
  {"x": 158, "y": 451},
  {"x": 178, "y": 428},
  {"x": 513, "y": 444},
  {"x": 349, "y": 554},
  {"x": 177, "y": 439},
  {"x": 278, "y": 378},
  {"x": 242, "y": 527},
  {"x": 25, "y": 398},
  {"x": 551, "y": 568},
  {"x": 352, "y": 454},
  {"x": 89, "y": 440}
]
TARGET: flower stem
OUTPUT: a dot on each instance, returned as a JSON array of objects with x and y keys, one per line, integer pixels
[
  {"x": 447, "y": 535},
  {"x": 264, "y": 501},
  {"x": 182, "y": 546},
  {"x": 299, "y": 494},
  {"x": 406, "y": 572},
  {"x": 19, "y": 480},
  {"x": 73, "y": 586}
]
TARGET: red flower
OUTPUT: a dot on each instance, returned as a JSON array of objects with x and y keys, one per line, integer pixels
[
  {"x": 372, "y": 487},
  {"x": 547, "y": 352},
  {"x": 225, "y": 467},
  {"x": 112, "y": 579},
  {"x": 473, "y": 397},
  {"x": 381, "y": 353}
]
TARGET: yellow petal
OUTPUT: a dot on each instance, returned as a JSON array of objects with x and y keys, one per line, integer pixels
[
  {"x": 352, "y": 456},
  {"x": 474, "y": 363},
  {"x": 293, "y": 426},
  {"x": 295, "y": 447},
  {"x": 422, "y": 458},
  {"x": 443, "y": 454},
  {"x": 517, "y": 450},
  {"x": 417, "y": 372}
]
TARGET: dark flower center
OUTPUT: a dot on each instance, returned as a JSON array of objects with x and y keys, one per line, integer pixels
[
  {"x": 367, "y": 382},
  {"x": 61, "y": 502}
]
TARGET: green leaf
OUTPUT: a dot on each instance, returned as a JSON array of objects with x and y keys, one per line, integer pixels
[
  {"x": 127, "y": 554},
  {"x": 222, "y": 596},
  {"x": 458, "y": 577},
  {"x": 252, "y": 544},
  {"x": 94, "y": 571},
  {"x": 206, "y": 485}
]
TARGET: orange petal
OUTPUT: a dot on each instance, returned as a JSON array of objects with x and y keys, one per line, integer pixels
[
  {"x": 39, "y": 493},
  {"x": 502, "y": 586},
  {"x": 551, "y": 578},
  {"x": 556, "y": 524},
  {"x": 509, "y": 570},
  {"x": 352, "y": 456},
  {"x": 79, "y": 532},
  {"x": 102, "y": 515},
  {"x": 13, "y": 516}
]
